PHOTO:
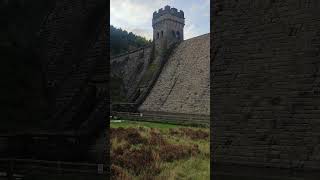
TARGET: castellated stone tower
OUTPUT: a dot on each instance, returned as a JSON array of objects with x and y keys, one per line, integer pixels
[{"x": 167, "y": 26}]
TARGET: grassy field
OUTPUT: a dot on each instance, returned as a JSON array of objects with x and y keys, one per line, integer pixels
[{"x": 145, "y": 150}]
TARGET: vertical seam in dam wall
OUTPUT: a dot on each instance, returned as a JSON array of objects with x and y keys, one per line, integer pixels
[
  {"x": 174, "y": 79},
  {"x": 152, "y": 82},
  {"x": 174, "y": 83}
]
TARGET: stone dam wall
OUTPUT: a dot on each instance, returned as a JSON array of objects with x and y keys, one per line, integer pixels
[
  {"x": 130, "y": 68},
  {"x": 183, "y": 85},
  {"x": 265, "y": 86}
]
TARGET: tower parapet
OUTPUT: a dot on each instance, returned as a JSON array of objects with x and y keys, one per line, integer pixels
[
  {"x": 168, "y": 10},
  {"x": 168, "y": 13}
]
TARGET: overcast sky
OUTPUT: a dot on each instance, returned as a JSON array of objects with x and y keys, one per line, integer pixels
[{"x": 136, "y": 15}]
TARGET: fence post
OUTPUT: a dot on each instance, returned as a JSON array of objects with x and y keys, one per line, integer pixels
[{"x": 100, "y": 168}]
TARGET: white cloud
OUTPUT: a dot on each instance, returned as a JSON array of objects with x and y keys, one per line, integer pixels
[
  {"x": 190, "y": 31},
  {"x": 194, "y": 8},
  {"x": 135, "y": 15},
  {"x": 201, "y": 7},
  {"x": 143, "y": 32}
]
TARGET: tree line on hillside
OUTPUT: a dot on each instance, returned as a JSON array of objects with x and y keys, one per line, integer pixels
[{"x": 122, "y": 41}]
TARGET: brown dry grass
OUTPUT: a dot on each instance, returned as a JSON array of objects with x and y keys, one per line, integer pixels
[
  {"x": 197, "y": 134},
  {"x": 140, "y": 152}
]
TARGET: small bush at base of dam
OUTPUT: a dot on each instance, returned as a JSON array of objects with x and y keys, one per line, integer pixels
[{"x": 144, "y": 150}]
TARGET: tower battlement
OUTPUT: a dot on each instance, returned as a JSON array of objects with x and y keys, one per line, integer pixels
[{"x": 168, "y": 10}]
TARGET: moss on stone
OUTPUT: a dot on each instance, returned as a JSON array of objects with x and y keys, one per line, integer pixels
[{"x": 116, "y": 88}]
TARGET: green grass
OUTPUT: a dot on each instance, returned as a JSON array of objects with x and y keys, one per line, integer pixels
[
  {"x": 163, "y": 127},
  {"x": 137, "y": 124},
  {"x": 149, "y": 73},
  {"x": 115, "y": 86},
  {"x": 193, "y": 168}
]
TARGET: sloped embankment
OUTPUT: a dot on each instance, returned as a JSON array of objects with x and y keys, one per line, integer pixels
[
  {"x": 126, "y": 72},
  {"x": 183, "y": 85}
]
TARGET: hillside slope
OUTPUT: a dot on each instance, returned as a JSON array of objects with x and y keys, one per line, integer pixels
[{"x": 183, "y": 85}]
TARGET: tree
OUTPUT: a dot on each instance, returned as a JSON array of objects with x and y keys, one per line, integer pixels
[{"x": 121, "y": 40}]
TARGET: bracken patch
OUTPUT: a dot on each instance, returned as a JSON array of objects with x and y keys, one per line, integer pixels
[
  {"x": 191, "y": 133},
  {"x": 142, "y": 156},
  {"x": 138, "y": 160},
  {"x": 171, "y": 152},
  {"x": 156, "y": 139},
  {"x": 131, "y": 135},
  {"x": 117, "y": 173}
]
